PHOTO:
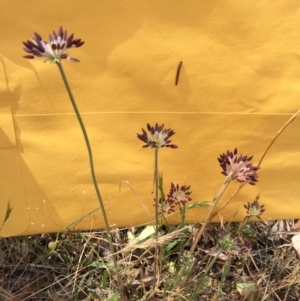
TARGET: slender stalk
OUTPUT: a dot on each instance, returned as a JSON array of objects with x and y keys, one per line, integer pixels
[
  {"x": 243, "y": 223},
  {"x": 210, "y": 212},
  {"x": 156, "y": 191},
  {"x": 230, "y": 198},
  {"x": 278, "y": 134},
  {"x": 201, "y": 281},
  {"x": 182, "y": 210},
  {"x": 87, "y": 142},
  {"x": 156, "y": 175},
  {"x": 223, "y": 276}
]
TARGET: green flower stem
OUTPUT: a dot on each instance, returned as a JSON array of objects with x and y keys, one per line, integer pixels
[
  {"x": 182, "y": 210},
  {"x": 156, "y": 190},
  {"x": 202, "y": 280},
  {"x": 211, "y": 210},
  {"x": 156, "y": 175},
  {"x": 112, "y": 250},
  {"x": 243, "y": 223},
  {"x": 182, "y": 214}
]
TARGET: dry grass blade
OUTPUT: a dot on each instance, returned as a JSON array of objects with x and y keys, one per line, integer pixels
[
  {"x": 278, "y": 134},
  {"x": 138, "y": 197}
]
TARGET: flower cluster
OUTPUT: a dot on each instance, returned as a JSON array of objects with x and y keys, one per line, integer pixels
[
  {"x": 254, "y": 209},
  {"x": 240, "y": 167},
  {"x": 165, "y": 206},
  {"x": 55, "y": 49},
  {"x": 159, "y": 137},
  {"x": 177, "y": 196}
]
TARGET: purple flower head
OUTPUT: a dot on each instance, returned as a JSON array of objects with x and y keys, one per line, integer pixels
[
  {"x": 158, "y": 137},
  {"x": 165, "y": 206},
  {"x": 240, "y": 167},
  {"x": 55, "y": 50},
  {"x": 179, "y": 195}
]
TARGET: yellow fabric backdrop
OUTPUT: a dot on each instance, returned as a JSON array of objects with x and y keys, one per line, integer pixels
[{"x": 239, "y": 83}]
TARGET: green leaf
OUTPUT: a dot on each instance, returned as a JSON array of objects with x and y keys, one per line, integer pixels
[
  {"x": 104, "y": 279},
  {"x": 148, "y": 231},
  {"x": 171, "y": 245},
  {"x": 113, "y": 297},
  {"x": 8, "y": 212},
  {"x": 196, "y": 205},
  {"x": 204, "y": 281},
  {"x": 98, "y": 264},
  {"x": 103, "y": 265},
  {"x": 248, "y": 290}
]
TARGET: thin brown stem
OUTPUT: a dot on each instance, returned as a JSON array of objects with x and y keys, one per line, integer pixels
[{"x": 278, "y": 134}]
